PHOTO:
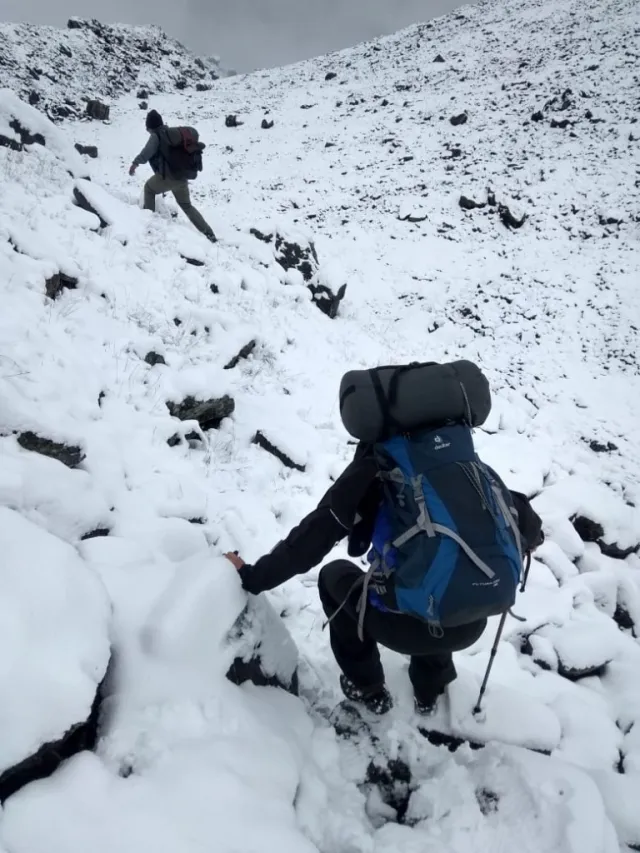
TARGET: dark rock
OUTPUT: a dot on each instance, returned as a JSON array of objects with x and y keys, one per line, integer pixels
[
  {"x": 265, "y": 653},
  {"x": 329, "y": 145},
  {"x": 326, "y": 300},
  {"x": 439, "y": 58},
  {"x": 95, "y": 534},
  {"x": 69, "y": 455},
  {"x": 214, "y": 288},
  {"x": 143, "y": 105},
  {"x": 43, "y": 763},
  {"x": 609, "y": 220},
  {"x": 392, "y": 778},
  {"x": 468, "y": 203},
  {"x": 598, "y": 447},
  {"x": 537, "y": 116},
  {"x": 245, "y": 352},
  {"x": 587, "y": 530},
  {"x": 266, "y": 238},
  {"x": 142, "y": 94},
  {"x": 66, "y": 51},
  {"x": 174, "y": 440},
  {"x": 97, "y": 110},
  {"x": 34, "y": 97},
  {"x": 610, "y": 549},
  {"x": 193, "y": 261},
  {"x": 26, "y": 137},
  {"x": 508, "y": 219},
  {"x": 561, "y": 124},
  {"x": 623, "y": 620},
  {"x": 81, "y": 201},
  {"x": 452, "y": 742},
  {"x": 89, "y": 150},
  {"x": 574, "y": 674},
  {"x": 232, "y": 121},
  {"x": 58, "y": 282},
  {"x": 8, "y": 142},
  {"x": 455, "y": 153},
  {"x": 181, "y": 84},
  {"x": 208, "y": 413},
  {"x": 266, "y": 125},
  {"x": 265, "y": 444},
  {"x": 203, "y": 87},
  {"x": 459, "y": 119},
  {"x": 293, "y": 256},
  {"x": 154, "y": 358},
  {"x": 330, "y": 75},
  {"x": 74, "y": 24},
  {"x": 192, "y": 436}
]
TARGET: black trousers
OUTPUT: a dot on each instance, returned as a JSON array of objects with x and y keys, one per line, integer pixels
[{"x": 431, "y": 667}]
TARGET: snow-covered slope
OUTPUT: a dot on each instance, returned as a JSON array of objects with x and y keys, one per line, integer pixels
[
  {"x": 152, "y": 314},
  {"x": 58, "y": 70}
]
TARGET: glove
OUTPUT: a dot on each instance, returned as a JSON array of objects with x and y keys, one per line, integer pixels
[{"x": 132, "y": 169}]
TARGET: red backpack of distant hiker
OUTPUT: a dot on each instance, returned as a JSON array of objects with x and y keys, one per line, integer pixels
[{"x": 181, "y": 152}]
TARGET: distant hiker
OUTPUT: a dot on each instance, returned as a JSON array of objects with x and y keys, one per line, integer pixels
[
  {"x": 175, "y": 155},
  {"x": 445, "y": 536}
]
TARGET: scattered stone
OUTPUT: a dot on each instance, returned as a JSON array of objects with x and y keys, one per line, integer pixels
[
  {"x": 232, "y": 121},
  {"x": 610, "y": 549},
  {"x": 330, "y": 75},
  {"x": 143, "y": 105},
  {"x": 561, "y": 124},
  {"x": 265, "y": 444},
  {"x": 575, "y": 674},
  {"x": 193, "y": 261},
  {"x": 292, "y": 256},
  {"x": 624, "y": 621},
  {"x": 459, "y": 119},
  {"x": 245, "y": 352},
  {"x": 609, "y": 220},
  {"x": 58, "y": 282},
  {"x": 266, "y": 238},
  {"x": 214, "y": 288},
  {"x": 326, "y": 300},
  {"x": 203, "y": 87},
  {"x": 439, "y": 58},
  {"x": 265, "y": 653},
  {"x": 329, "y": 145},
  {"x": 537, "y": 116},
  {"x": 142, "y": 94},
  {"x": 452, "y": 742},
  {"x": 267, "y": 125},
  {"x": 97, "y": 110},
  {"x": 181, "y": 84},
  {"x": 468, "y": 203},
  {"x": 208, "y": 413},
  {"x": 34, "y": 97},
  {"x": 174, "y": 440},
  {"x": 81, "y": 201},
  {"x": 598, "y": 447},
  {"x": 96, "y": 533},
  {"x": 69, "y": 454},
  {"x": 508, "y": 219},
  {"x": 587, "y": 530},
  {"x": 43, "y": 763},
  {"x": 154, "y": 358},
  {"x": 89, "y": 150}
]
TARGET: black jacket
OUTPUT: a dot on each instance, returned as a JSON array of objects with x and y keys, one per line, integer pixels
[{"x": 349, "y": 508}]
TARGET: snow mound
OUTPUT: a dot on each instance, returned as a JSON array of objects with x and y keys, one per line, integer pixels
[
  {"x": 59, "y": 70},
  {"x": 54, "y": 621}
]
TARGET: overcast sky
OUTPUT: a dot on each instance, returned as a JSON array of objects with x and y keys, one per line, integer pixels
[{"x": 246, "y": 34}]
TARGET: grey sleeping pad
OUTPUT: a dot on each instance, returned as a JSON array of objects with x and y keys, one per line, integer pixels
[{"x": 412, "y": 396}]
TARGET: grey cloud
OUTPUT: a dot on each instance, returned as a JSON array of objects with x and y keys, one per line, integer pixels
[{"x": 246, "y": 34}]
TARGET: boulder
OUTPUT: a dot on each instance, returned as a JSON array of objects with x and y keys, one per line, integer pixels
[
  {"x": 459, "y": 119},
  {"x": 55, "y": 614},
  {"x": 232, "y": 121},
  {"x": 267, "y": 125},
  {"x": 264, "y": 652},
  {"x": 81, "y": 200},
  {"x": 69, "y": 455},
  {"x": 89, "y": 150},
  {"x": 58, "y": 282},
  {"x": 97, "y": 110},
  {"x": 209, "y": 413}
]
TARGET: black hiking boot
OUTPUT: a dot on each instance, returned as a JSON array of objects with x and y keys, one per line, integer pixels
[
  {"x": 377, "y": 700},
  {"x": 425, "y": 707}
]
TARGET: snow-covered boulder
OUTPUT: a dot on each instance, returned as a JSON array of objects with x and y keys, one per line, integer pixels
[
  {"x": 54, "y": 651},
  {"x": 22, "y": 125}
]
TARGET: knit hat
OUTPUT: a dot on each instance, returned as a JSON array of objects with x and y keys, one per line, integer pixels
[{"x": 154, "y": 120}]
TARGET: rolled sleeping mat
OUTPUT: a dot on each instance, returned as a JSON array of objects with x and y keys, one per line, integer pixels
[{"x": 384, "y": 401}]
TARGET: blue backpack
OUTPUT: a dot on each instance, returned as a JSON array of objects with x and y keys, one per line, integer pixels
[{"x": 446, "y": 546}]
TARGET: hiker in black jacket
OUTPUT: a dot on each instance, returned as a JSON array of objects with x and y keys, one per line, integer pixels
[
  {"x": 162, "y": 181},
  {"x": 349, "y": 509}
]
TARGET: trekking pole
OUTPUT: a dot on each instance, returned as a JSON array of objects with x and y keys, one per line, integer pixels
[
  {"x": 494, "y": 652},
  {"x": 525, "y": 577}
]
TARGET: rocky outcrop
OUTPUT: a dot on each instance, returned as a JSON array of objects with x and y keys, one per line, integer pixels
[{"x": 209, "y": 413}]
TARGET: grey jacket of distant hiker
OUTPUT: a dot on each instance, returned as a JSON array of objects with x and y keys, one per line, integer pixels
[{"x": 150, "y": 153}]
